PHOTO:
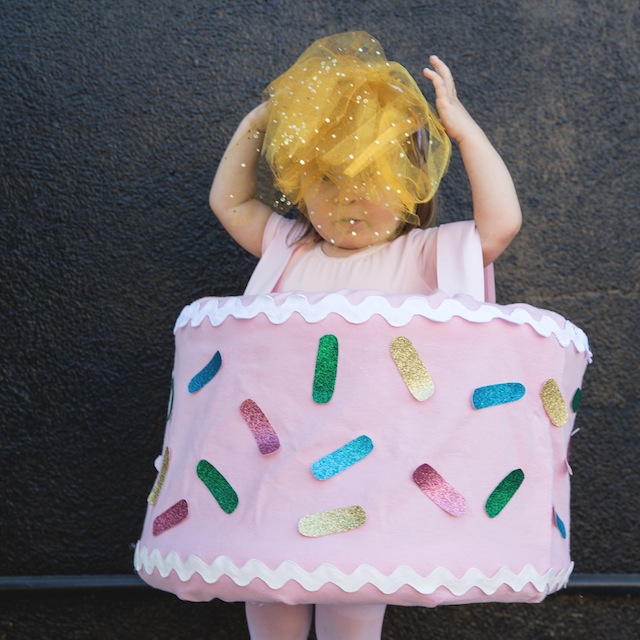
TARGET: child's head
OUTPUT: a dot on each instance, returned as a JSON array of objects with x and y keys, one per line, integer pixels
[{"x": 346, "y": 126}]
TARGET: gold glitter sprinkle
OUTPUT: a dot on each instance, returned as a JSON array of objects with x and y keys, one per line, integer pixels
[
  {"x": 553, "y": 403},
  {"x": 155, "y": 492},
  {"x": 326, "y": 523},
  {"x": 411, "y": 368}
]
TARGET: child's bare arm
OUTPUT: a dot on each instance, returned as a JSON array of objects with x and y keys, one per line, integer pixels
[
  {"x": 232, "y": 195},
  {"x": 496, "y": 209}
]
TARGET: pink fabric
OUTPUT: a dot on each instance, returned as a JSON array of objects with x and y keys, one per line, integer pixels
[
  {"x": 448, "y": 257},
  {"x": 270, "y": 358},
  {"x": 408, "y": 550}
]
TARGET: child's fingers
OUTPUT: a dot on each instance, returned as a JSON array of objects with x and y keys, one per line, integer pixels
[
  {"x": 444, "y": 72},
  {"x": 441, "y": 77}
]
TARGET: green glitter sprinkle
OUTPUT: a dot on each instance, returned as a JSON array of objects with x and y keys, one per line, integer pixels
[
  {"x": 577, "y": 399},
  {"x": 324, "y": 380},
  {"x": 499, "y": 497},
  {"x": 220, "y": 489}
]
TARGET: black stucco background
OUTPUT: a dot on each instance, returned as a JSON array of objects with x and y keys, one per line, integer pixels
[{"x": 114, "y": 115}]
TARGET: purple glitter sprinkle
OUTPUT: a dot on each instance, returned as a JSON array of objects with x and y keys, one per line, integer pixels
[
  {"x": 435, "y": 487},
  {"x": 263, "y": 432},
  {"x": 171, "y": 517}
]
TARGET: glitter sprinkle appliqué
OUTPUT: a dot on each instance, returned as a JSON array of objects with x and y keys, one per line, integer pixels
[
  {"x": 155, "y": 492},
  {"x": 325, "y": 523},
  {"x": 501, "y": 495},
  {"x": 496, "y": 394},
  {"x": 217, "y": 484},
  {"x": 577, "y": 400},
  {"x": 342, "y": 458},
  {"x": 171, "y": 517},
  {"x": 553, "y": 403},
  {"x": 561, "y": 528},
  {"x": 264, "y": 434},
  {"x": 324, "y": 380},
  {"x": 435, "y": 487},
  {"x": 207, "y": 374},
  {"x": 412, "y": 369}
]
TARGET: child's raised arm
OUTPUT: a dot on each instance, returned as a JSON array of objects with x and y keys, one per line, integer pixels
[
  {"x": 496, "y": 209},
  {"x": 232, "y": 195}
]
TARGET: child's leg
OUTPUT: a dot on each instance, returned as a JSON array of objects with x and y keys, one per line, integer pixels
[
  {"x": 276, "y": 621},
  {"x": 349, "y": 621}
]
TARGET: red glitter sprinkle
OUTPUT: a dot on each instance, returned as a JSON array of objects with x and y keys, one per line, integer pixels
[{"x": 171, "y": 517}]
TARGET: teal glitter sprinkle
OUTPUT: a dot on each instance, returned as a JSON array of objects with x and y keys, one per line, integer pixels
[
  {"x": 561, "y": 528},
  {"x": 220, "y": 489},
  {"x": 342, "y": 458},
  {"x": 501, "y": 495},
  {"x": 207, "y": 374},
  {"x": 495, "y": 394},
  {"x": 577, "y": 399},
  {"x": 324, "y": 380}
]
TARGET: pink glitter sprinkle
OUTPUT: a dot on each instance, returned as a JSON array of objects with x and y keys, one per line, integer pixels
[
  {"x": 171, "y": 517},
  {"x": 263, "y": 432},
  {"x": 435, "y": 487}
]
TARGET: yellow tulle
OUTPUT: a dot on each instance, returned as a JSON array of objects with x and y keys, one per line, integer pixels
[{"x": 344, "y": 113}]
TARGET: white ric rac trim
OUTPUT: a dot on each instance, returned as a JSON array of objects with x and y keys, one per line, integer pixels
[
  {"x": 358, "y": 307},
  {"x": 365, "y": 574}
]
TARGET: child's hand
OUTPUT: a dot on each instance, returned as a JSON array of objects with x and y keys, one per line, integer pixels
[
  {"x": 496, "y": 209},
  {"x": 454, "y": 116}
]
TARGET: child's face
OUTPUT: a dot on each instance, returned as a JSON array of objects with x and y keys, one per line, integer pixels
[{"x": 348, "y": 221}]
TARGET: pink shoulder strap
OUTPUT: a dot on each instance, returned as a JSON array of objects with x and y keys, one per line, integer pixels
[
  {"x": 459, "y": 262},
  {"x": 275, "y": 257}
]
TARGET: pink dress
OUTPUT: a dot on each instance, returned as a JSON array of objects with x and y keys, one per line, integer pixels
[{"x": 362, "y": 447}]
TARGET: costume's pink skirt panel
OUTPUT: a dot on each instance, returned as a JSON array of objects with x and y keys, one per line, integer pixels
[{"x": 352, "y": 448}]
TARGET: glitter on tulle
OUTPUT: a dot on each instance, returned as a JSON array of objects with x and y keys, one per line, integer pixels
[{"x": 346, "y": 114}]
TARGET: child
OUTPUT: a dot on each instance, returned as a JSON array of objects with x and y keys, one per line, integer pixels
[{"x": 354, "y": 145}]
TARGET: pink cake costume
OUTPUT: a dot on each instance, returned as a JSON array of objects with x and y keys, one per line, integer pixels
[{"x": 367, "y": 445}]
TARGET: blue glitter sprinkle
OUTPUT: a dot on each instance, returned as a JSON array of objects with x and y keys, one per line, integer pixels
[
  {"x": 342, "y": 458},
  {"x": 496, "y": 394},
  {"x": 207, "y": 374},
  {"x": 561, "y": 528}
]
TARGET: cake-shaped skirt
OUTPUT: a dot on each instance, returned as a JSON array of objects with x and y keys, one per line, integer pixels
[{"x": 355, "y": 447}]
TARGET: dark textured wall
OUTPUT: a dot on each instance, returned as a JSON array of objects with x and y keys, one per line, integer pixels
[{"x": 113, "y": 117}]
